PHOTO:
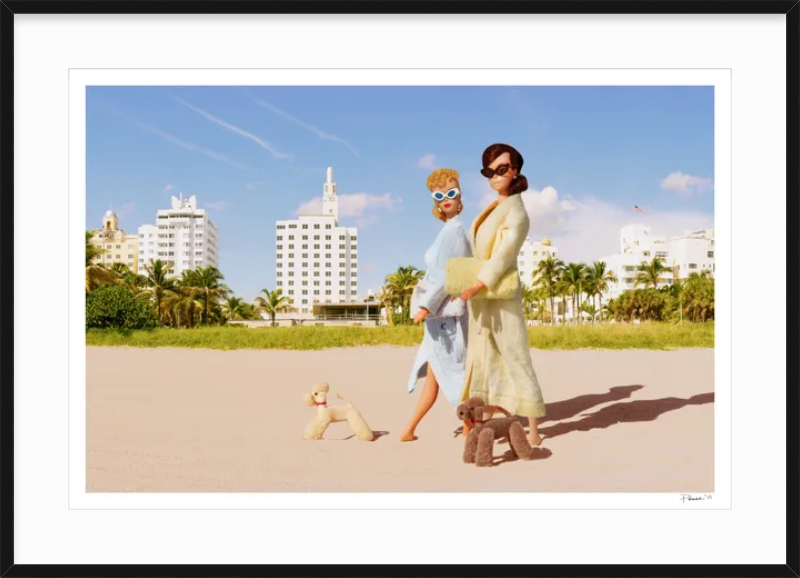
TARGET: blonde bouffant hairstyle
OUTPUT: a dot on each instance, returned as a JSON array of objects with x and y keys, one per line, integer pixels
[{"x": 437, "y": 180}]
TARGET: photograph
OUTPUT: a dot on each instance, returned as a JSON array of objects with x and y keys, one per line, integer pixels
[{"x": 400, "y": 288}]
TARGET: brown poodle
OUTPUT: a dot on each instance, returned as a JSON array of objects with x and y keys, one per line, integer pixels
[{"x": 479, "y": 446}]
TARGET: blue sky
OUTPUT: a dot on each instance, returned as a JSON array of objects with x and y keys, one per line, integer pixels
[{"x": 253, "y": 155}]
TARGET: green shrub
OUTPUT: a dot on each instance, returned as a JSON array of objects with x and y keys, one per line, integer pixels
[{"x": 112, "y": 306}]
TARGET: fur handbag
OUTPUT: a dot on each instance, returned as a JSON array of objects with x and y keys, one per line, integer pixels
[
  {"x": 447, "y": 309},
  {"x": 462, "y": 273}
]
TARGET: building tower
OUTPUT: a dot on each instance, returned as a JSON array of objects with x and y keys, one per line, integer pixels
[{"x": 330, "y": 202}]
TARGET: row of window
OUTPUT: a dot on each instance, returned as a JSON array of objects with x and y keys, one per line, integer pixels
[
  {"x": 290, "y": 283},
  {"x": 316, "y": 255},
  {"x": 317, "y": 238},
  {"x": 316, "y": 273},
  {"x": 327, "y": 292},
  {"x": 316, "y": 266},
  {"x": 305, "y": 226}
]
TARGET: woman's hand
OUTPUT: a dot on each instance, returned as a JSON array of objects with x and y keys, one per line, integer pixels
[
  {"x": 423, "y": 313},
  {"x": 468, "y": 294}
]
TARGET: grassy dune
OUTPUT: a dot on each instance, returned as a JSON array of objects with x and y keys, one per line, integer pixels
[{"x": 644, "y": 336}]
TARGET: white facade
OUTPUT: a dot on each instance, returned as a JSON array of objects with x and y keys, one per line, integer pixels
[
  {"x": 529, "y": 256},
  {"x": 693, "y": 253},
  {"x": 184, "y": 235},
  {"x": 637, "y": 245},
  {"x": 316, "y": 260},
  {"x": 148, "y": 235}
]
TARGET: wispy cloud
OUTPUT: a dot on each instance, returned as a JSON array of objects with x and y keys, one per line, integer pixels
[
  {"x": 361, "y": 206},
  {"x": 251, "y": 186},
  {"x": 241, "y": 132},
  {"x": 217, "y": 205},
  {"x": 321, "y": 134},
  {"x": 685, "y": 185},
  {"x": 187, "y": 145},
  {"x": 167, "y": 189},
  {"x": 427, "y": 162},
  {"x": 125, "y": 209}
]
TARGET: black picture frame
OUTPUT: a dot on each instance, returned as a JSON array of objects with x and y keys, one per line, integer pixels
[{"x": 8, "y": 10}]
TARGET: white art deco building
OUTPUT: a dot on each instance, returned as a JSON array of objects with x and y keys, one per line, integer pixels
[
  {"x": 529, "y": 256},
  {"x": 316, "y": 260},
  {"x": 183, "y": 235},
  {"x": 692, "y": 252}
]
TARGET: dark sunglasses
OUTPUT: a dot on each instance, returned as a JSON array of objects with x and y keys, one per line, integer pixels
[
  {"x": 451, "y": 194},
  {"x": 499, "y": 171}
]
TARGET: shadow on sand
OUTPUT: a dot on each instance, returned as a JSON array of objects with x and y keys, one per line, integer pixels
[
  {"x": 566, "y": 409},
  {"x": 626, "y": 412},
  {"x": 622, "y": 412}
]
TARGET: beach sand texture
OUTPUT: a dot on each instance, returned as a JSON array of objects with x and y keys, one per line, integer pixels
[{"x": 189, "y": 420}]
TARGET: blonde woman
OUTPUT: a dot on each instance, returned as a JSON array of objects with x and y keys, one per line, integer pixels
[
  {"x": 440, "y": 359},
  {"x": 498, "y": 366}
]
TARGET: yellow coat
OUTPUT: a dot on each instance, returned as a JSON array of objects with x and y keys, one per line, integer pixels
[{"x": 498, "y": 365}]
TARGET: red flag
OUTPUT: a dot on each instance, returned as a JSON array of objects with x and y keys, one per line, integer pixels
[{"x": 637, "y": 209}]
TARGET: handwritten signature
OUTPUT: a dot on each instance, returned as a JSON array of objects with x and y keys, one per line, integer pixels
[{"x": 691, "y": 498}]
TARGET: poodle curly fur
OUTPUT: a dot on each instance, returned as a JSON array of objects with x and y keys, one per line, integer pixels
[
  {"x": 479, "y": 445},
  {"x": 327, "y": 415}
]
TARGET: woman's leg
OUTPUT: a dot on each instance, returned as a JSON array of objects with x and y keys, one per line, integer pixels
[
  {"x": 426, "y": 400},
  {"x": 533, "y": 432}
]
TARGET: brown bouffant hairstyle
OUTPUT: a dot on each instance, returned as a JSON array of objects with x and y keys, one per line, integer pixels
[
  {"x": 518, "y": 185},
  {"x": 437, "y": 180}
]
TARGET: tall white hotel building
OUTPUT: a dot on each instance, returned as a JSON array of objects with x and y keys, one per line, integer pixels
[
  {"x": 183, "y": 235},
  {"x": 316, "y": 260}
]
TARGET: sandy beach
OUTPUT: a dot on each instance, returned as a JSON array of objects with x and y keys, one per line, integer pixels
[{"x": 188, "y": 420}]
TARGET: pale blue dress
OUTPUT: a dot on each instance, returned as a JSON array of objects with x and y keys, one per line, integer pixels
[{"x": 444, "y": 344}]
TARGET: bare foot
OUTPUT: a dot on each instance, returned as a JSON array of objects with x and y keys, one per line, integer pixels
[{"x": 408, "y": 437}]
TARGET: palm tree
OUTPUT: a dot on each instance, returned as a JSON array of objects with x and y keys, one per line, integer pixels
[
  {"x": 572, "y": 276},
  {"x": 401, "y": 284},
  {"x": 389, "y": 302},
  {"x": 159, "y": 284},
  {"x": 528, "y": 300},
  {"x": 235, "y": 309},
  {"x": 96, "y": 274},
  {"x": 546, "y": 276},
  {"x": 272, "y": 303},
  {"x": 184, "y": 306},
  {"x": 209, "y": 280},
  {"x": 600, "y": 277},
  {"x": 649, "y": 274},
  {"x": 134, "y": 282}
]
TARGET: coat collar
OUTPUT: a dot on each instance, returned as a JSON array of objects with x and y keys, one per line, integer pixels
[{"x": 495, "y": 209}]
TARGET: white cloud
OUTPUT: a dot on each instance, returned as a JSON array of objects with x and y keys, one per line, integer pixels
[
  {"x": 686, "y": 185},
  {"x": 217, "y": 205},
  {"x": 587, "y": 229},
  {"x": 427, "y": 162},
  {"x": 359, "y": 205},
  {"x": 251, "y": 186},
  {"x": 167, "y": 189},
  {"x": 125, "y": 209}
]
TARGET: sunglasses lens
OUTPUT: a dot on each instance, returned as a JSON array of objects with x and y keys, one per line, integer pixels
[
  {"x": 438, "y": 196},
  {"x": 452, "y": 193},
  {"x": 503, "y": 169},
  {"x": 488, "y": 173}
]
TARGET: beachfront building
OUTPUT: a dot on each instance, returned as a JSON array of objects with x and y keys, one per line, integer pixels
[
  {"x": 637, "y": 245},
  {"x": 183, "y": 235},
  {"x": 693, "y": 252},
  {"x": 316, "y": 260},
  {"x": 118, "y": 246},
  {"x": 529, "y": 256}
]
